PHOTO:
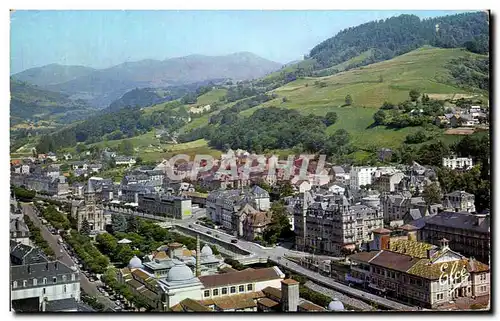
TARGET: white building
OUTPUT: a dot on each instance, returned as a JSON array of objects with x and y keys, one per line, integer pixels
[
  {"x": 458, "y": 162},
  {"x": 51, "y": 286},
  {"x": 360, "y": 176}
]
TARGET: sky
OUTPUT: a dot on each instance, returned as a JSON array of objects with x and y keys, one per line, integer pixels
[{"x": 101, "y": 39}]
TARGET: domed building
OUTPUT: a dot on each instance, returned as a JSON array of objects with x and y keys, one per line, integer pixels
[
  {"x": 179, "y": 272},
  {"x": 206, "y": 251},
  {"x": 336, "y": 305},
  {"x": 180, "y": 284},
  {"x": 135, "y": 263}
]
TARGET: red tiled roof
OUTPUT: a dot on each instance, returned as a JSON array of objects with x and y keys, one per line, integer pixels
[
  {"x": 246, "y": 276},
  {"x": 381, "y": 230}
]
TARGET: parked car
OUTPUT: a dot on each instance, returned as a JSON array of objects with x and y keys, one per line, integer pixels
[
  {"x": 209, "y": 232},
  {"x": 190, "y": 225},
  {"x": 234, "y": 241}
]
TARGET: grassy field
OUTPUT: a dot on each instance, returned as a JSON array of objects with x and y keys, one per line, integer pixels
[
  {"x": 342, "y": 66},
  {"x": 422, "y": 69}
]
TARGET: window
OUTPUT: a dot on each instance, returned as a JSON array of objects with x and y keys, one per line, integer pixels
[
  {"x": 249, "y": 287},
  {"x": 206, "y": 294},
  {"x": 215, "y": 292},
  {"x": 241, "y": 288},
  {"x": 64, "y": 278},
  {"x": 44, "y": 280},
  {"x": 64, "y": 289},
  {"x": 54, "y": 279},
  {"x": 44, "y": 291},
  {"x": 24, "y": 283},
  {"x": 439, "y": 296},
  {"x": 72, "y": 277},
  {"x": 35, "y": 281},
  {"x": 224, "y": 291},
  {"x": 233, "y": 289},
  {"x": 14, "y": 284}
]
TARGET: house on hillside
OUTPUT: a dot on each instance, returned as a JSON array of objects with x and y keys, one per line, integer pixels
[
  {"x": 52, "y": 156},
  {"x": 125, "y": 160}
]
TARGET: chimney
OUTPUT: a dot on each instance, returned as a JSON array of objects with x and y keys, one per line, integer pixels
[
  {"x": 289, "y": 295},
  {"x": 443, "y": 244},
  {"x": 480, "y": 219},
  {"x": 431, "y": 252},
  {"x": 198, "y": 256},
  {"x": 381, "y": 237}
]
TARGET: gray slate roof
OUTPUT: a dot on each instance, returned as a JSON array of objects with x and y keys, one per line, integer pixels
[
  {"x": 61, "y": 305},
  {"x": 462, "y": 220},
  {"x": 49, "y": 269},
  {"x": 26, "y": 254}
]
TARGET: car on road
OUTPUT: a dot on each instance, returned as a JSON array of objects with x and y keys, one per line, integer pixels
[
  {"x": 209, "y": 232},
  {"x": 234, "y": 241},
  {"x": 190, "y": 225}
]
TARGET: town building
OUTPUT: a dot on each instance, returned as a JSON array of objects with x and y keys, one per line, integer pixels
[
  {"x": 91, "y": 211},
  {"x": 398, "y": 207},
  {"x": 22, "y": 254},
  {"x": 160, "y": 261},
  {"x": 331, "y": 225},
  {"x": 459, "y": 201},
  {"x": 270, "y": 299},
  {"x": 417, "y": 272},
  {"x": 223, "y": 205},
  {"x": 386, "y": 180},
  {"x": 248, "y": 223},
  {"x": 178, "y": 207},
  {"x": 455, "y": 162},
  {"x": 39, "y": 183},
  {"x": 360, "y": 176},
  {"x": 125, "y": 160},
  {"x": 467, "y": 233},
  {"x": 181, "y": 283},
  {"x": 47, "y": 287}
]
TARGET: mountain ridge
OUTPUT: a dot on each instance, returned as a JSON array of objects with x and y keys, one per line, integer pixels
[{"x": 102, "y": 86}]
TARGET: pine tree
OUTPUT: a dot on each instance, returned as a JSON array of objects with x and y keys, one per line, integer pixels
[
  {"x": 118, "y": 223},
  {"x": 132, "y": 224}
]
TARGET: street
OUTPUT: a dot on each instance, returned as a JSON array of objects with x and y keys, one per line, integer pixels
[
  {"x": 89, "y": 287},
  {"x": 277, "y": 254}
]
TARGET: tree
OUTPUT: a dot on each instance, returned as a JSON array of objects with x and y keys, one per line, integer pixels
[
  {"x": 126, "y": 147},
  {"x": 118, "y": 223},
  {"x": 432, "y": 194},
  {"x": 132, "y": 224},
  {"x": 379, "y": 117},
  {"x": 85, "y": 227},
  {"x": 348, "y": 100},
  {"x": 330, "y": 118},
  {"x": 414, "y": 95},
  {"x": 285, "y": 189}
]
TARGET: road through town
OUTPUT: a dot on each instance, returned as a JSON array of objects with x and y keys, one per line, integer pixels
[{"x": 89, "y": 287}]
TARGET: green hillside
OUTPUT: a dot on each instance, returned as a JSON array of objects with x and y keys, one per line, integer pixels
[{"x": 424, "y": 69}]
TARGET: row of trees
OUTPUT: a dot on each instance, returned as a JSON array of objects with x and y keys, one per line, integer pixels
[
  {"x": 57, "y": 219},
  {"x": 92, "y": 259},
  {"x": 37, "y": 238}
]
